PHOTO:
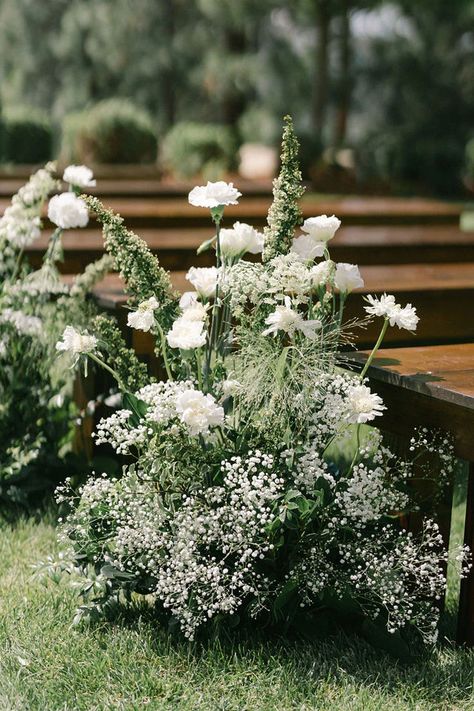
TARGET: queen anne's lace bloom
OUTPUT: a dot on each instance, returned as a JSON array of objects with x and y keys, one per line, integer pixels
[{"x": 214, "y": 195}]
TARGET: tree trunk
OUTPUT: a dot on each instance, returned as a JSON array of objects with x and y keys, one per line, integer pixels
[
  {"x": 344, "y": 89},
  {"x": 321, "y": 74}
]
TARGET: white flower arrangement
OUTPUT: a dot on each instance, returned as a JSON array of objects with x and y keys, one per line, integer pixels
[{"x": 234, "y": 504}]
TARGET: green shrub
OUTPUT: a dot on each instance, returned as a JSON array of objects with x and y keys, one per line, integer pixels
[
  {"x": 192, "y": 148},
  {"x": 469, "y": 170},
  {"x": 27, "y": 137},
  {"x": 113, "y": 131}
]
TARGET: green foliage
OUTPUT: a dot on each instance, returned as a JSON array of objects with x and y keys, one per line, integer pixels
[
  {"x": 193, "y": 148},
  {"x": 137, "y": 266},
  {"x": 284, "y": 213},
  {"x": 133, "y": 374},
  {"x": 470, "y": 160},
  {"x": 112, "y": 131},
  {"x": 27, "y": 137}
]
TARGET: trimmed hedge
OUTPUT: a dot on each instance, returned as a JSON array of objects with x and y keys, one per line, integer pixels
[
  {"x": 112, "y": 131},
  {"x": 26, "y": 137},
  {"x": 192, "y": 148}
]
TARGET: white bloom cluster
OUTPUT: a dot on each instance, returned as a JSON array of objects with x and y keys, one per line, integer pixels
[
  {"x": 117, "y": 431},
  {"x": 362, "y": 404},
  {"x": 25, "y": 324},
  {"x": 368, "y": 495},
  {"x": 21, "y": 222},
  {"x": 198, "y": 412},
  {"x": 186, "y": 334},
  {"x": 385, "y": 306}
]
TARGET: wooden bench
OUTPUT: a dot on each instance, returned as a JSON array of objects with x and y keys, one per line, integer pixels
[
  {"x": 176, "y": 212},
  {"x": 442, "y": 293},
  {"x": 433, "y": 387},
  {"x": 369, "y": 245}
]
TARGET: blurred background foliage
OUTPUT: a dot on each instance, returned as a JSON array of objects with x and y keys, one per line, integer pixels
[{"x": 382, "y": 93}]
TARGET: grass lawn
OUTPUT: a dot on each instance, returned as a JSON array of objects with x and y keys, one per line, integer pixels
[{"x": 46, "y": 665}]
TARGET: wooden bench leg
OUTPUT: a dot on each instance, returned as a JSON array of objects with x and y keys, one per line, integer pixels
[{"x": 465, "y": 631}]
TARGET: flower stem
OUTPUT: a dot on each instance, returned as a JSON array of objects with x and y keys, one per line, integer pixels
[
  {"x": 375, "y": 348},
  {"x": 164, "y": 351},
  {"x": 199, "y": 367},
  {"x": 109, "y": 369}
]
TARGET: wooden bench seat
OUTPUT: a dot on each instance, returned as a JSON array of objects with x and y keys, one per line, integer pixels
[
  {"x": 442, "y": 293},
  {"x": 177, "y": 212},
  {"x": 369, "y": 245}
]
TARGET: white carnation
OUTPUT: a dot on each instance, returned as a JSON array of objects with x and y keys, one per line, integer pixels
[
  {"x": 198, "y": 411},
  {"x": 214, "y": 195},
  {"x": 186, "y": 334},
  {"x": 240, "y": 239},
  {"x": 188, "y": 298},
  {"x": 204, "y": 280},
  {"x": 321, "y": 273},
  {"x": 321, "y": 228},
  {"x": 347, "y": 277},
  {"x": 80, "y": 176},
  {"x": 307, "y": 247},
  {"x": 68, "y": 211},
  {"x": 363, "y": 405},
  {"x": 75, "y": 342}
]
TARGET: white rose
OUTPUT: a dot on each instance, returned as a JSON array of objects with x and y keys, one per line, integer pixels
[
  {"x": 240, "y": 239},
  {"x": 204, "y": 280},
  {"x": 321, "y": 273},
  {"x": 186, "y": 334},
  {"x": 198, "y": 411},
  {"x": 144, "y": 317},
  {"x": 347, "y": 277},
  {"x": 307, "y": 247},
  {"x": 67, "y": 211},
  {"x": 214, "y": 195},
  {"x": 76, "y": 342},
  {"x": 80, "y": 176},
  {"x": 321, "y": 228}
]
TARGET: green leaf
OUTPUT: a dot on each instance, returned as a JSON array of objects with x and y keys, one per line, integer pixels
[
  {"x": 206, "y": 245},
  {"x": 138, "y": 407},
  {"x": 285, "y": 595}
]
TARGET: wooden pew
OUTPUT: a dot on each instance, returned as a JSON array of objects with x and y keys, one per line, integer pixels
[
  {"x": 442, "y": 293},
  {"x": 369, "y": 245},
  {"x": 433, "y": 387},
  {"x": 176, "y": 212}
]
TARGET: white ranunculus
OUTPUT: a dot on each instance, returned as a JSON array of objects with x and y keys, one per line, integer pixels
[
  {"x": 198, "y": 412},
  {"x": 68, "y": 211},
  {"x": 204, "y": 280},
  {"x": 240, "y": 239},
  {"x": 186, "y": 334},
  {"x": 144, "y": 317},
  {"x": 347, "y": 277},
  {"x": 286, "y": 319},
  {"x": 321, "y": 228},
  {"x": 80, "y": 176},
  {"x": 76, "y": 342},
  {"x": 307, "y": 247},
  {"x": 363, "y": 405},
  {"x": 320, "y": 274},
  {"x": 214, "y": 195}
]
